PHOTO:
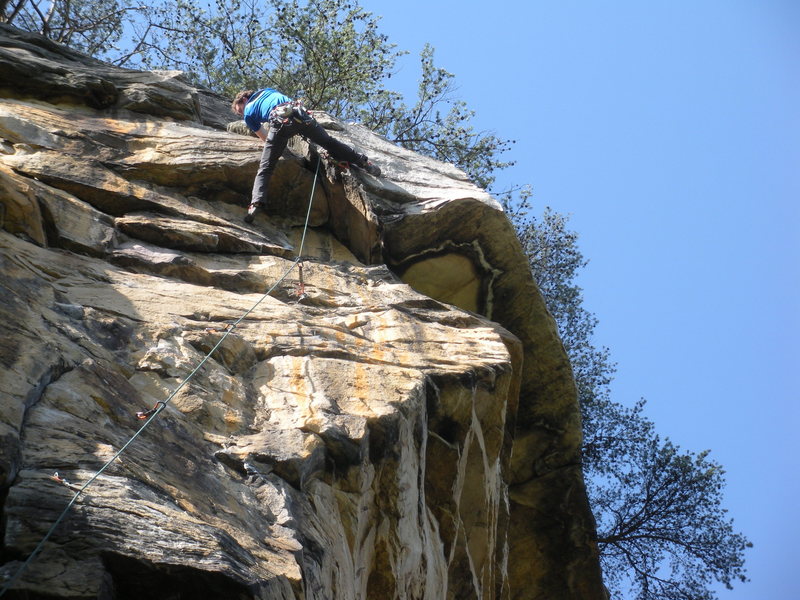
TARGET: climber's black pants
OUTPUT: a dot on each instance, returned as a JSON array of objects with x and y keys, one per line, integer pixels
[{"x": 277, "y": 138}]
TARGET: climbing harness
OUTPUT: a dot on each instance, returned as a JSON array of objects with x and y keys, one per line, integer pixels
[
  {"x": 149, "y": 415},
  {"x": 290, "y": 111}
]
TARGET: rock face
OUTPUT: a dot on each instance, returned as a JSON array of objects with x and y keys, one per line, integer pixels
[{"x": 399, "y": 421}]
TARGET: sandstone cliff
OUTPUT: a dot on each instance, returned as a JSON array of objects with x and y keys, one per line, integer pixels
[{"x": 405, "y": 428}]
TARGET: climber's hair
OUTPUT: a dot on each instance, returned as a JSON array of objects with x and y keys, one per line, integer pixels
[{"x": 241, "y": 98}]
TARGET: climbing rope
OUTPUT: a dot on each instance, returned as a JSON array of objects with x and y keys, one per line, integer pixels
[{"x": 150, "y": 415}]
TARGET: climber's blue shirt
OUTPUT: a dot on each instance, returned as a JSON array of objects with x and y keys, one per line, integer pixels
[{"x": 257, "y": 110}]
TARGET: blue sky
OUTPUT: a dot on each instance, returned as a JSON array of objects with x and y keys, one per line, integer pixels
[{"x": 670, "y": 131}]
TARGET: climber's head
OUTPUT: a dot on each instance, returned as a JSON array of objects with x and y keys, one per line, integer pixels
[{"x": 240, "y": 100}]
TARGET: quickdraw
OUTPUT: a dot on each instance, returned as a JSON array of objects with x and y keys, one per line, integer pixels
[
  {"x": 146, "y": 414},
  {"x": 58, "y": 479},
  {"x": 300, "y": 286}
]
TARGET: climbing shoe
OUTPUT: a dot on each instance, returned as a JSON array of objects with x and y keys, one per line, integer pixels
[
  {"x": 251, "y": 212},
  {"x": 369, "y": 167},
  {"x": 372, "y": 169}
]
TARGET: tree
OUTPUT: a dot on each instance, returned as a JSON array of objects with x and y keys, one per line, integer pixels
[
  {"x": 333, "y": 51},
  {"x": 448, "y": 137},
  {"x": 221, "y": 46},
  {"x": 556, "y": 261},
  {"x": 330, "y": 51},
  {"x": 91, "y": 26},
  {"x": 661, "y": 528},
  {"x": 662, "y": 531}
]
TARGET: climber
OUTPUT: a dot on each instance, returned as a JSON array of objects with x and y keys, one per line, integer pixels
[{"x": 275, "y": 118}]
